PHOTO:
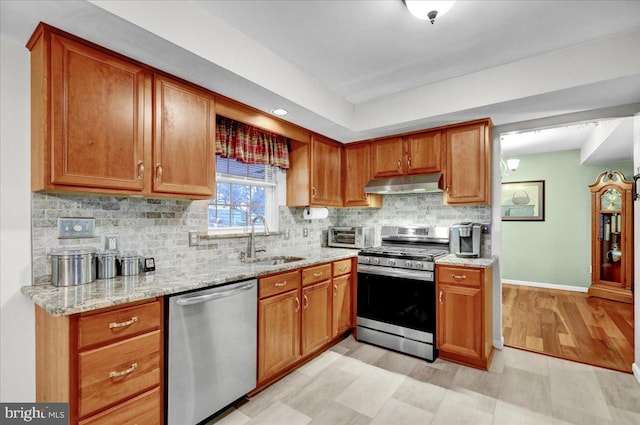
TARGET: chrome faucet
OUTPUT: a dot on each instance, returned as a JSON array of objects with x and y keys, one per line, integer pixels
[{"x": 251, "y": 250}]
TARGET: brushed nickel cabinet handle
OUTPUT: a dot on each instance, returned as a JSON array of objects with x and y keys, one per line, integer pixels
[
  {"x": 399, "y": 164},
  {"x": 158, "y": 172},
  {"x": 306, "y": 302},
  {"x": 317, "y": 274},
  {"x": 114, "y": 374},
  {"x": 140, "y": 170},
  {"x": 281, "y": 284},
  {"x": 129, "y": 322},
  {"x": 460, "y": 277},
  {"x": 335, "y": 290},
  {"x": 314, "y": 192},
  {"x": 440, "y": 297},
  {"x": 297, "y": 305},
  {"x": 409, "y": 162}
]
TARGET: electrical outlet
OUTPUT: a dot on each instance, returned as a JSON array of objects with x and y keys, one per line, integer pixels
[
  {"x": 194, "y": 238},
  {"x": 305, "y": 232},
  {"x": 287, "y": 233},
  {"x": 111, "y": 242}
]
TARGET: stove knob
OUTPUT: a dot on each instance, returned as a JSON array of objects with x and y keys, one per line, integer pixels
[
  {"x": 408, "y": 264},
  {"x": 419, "y": 265},
  {"x": 392, "y": 262},
  {"x": 365, "y": 260},
  {"x": 375, "y": 261}
]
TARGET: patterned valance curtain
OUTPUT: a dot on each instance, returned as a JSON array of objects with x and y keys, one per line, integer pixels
[{"x": 250, "y": 145}]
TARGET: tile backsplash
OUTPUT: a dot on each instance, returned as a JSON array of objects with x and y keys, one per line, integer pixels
[{"x": 159, "y": 227}]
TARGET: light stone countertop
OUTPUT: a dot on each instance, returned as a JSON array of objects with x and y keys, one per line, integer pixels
[
  {"x": 66, "y": 300},
  {"x": 453, "y": 260}
]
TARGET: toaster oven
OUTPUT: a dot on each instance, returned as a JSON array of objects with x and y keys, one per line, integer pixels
[{"x": 350, "y": 237}]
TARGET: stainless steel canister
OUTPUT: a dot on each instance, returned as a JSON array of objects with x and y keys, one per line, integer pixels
[
  {"x": 106, "y": 264},
  {"x": 128, "y": 264},
  {"x": 72, "y": 265}
]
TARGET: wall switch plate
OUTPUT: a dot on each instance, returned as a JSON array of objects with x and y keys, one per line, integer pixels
[
  {"x": 111, "y": 243},
  {"x": 194, "y": 238},
  {"x": 76, "y": 227},
  {"x": 305, "y": 232}
]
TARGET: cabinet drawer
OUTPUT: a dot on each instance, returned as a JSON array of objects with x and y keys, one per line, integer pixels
[
  {"x": 341, "y": 267},
  {"x": 316, "y": 274},
  {"x": 108, "y": 326},
  {"x": 459, "y": 275},
  {"x": 111, "y": 374},
  {"x": 278, "y": 284},
  {"x": 141, "y": 410}
]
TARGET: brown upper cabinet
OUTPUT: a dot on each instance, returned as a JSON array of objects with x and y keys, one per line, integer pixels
[
  {"x": 419, "y": 153},
  {"x": 314, "y": 178},
  {"x": 468, "y": 164},
  {"x": 91, "y": 124},
  {"x": 184, "y": 140},
  {"x": 356, "y": 174}
]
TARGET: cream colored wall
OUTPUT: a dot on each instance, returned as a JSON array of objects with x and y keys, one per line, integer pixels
[{"x": 17, "y": 324}]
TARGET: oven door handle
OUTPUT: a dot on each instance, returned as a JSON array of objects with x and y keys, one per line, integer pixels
[{"x": 391, "y": 272}]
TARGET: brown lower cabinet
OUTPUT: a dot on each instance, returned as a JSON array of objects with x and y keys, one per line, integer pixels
[
  {"x": 464, "y": 315},
  {"x": 106, "y": 364},
  {"x": 300, "y": 313}
]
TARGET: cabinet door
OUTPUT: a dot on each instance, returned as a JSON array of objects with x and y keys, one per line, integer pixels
[
  {"x": 184, "y": 140},
  {"x": 325, "y": 172},
  {"x": 468, "y": 165},
  {"x": 424, "y": 153},
  {"x": 357, "y": 173},
  {"x": 460, "y": 319},
  {"x": 98, "y": 118},
  {"x": 278, "y": 333},
  {"x": 387, "y": 158},
  {"x": 341, "y": 304},
  {"x": 316, "y": 315}
]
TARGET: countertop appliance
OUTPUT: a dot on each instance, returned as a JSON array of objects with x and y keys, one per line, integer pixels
[
  {"x": 465, "y": 239},
  {"x": 211, "y": 345},
  {"x": 397, "y": 291},
  {"x": 350, "y": 237}
]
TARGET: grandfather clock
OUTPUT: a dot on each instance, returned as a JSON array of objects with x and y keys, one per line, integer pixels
[{"x": 612, "y": 237}]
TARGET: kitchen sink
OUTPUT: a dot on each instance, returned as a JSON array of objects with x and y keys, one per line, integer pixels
[{"x": 272, "y": 261}]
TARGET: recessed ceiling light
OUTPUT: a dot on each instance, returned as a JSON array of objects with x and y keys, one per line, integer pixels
[{"x": 279, "y": 111}]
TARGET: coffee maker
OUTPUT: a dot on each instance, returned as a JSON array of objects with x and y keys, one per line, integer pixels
[{"x": 465, "y": 239}]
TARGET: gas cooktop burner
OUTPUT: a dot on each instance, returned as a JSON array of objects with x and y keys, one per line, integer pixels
[{"x": 426, "y": 254}]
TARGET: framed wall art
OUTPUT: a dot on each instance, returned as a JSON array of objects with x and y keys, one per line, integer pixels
[{"x": 523, "y": 201}]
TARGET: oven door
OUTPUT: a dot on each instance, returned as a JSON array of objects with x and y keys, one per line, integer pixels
[{"x": 404, "y": 298}]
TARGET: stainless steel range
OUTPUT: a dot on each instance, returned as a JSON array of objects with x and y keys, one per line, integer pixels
[{"x": 396, "y": 289}]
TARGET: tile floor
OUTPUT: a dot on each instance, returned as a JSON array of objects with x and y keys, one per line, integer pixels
[{"x": 360, "y": 384}]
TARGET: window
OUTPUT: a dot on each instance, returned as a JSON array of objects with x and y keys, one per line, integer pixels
[{"x": 243, "y": 192}]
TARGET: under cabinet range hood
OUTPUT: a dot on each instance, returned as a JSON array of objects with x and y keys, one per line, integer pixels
[{"x": 409, "y": 184}]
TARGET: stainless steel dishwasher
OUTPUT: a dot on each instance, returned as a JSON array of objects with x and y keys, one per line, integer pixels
[{"x": 211, "y": 350}]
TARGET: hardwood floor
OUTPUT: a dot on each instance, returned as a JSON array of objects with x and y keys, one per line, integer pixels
[{"x": 569, "y": 325}]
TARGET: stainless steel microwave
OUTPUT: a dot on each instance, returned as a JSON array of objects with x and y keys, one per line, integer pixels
[{"x": 350, "y": 237}]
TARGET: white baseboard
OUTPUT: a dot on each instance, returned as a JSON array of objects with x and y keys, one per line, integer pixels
[
  {"x": 546, "y": 285},
  {"x": 498, "y": 343},
  {"x": 636, "y": 371}
]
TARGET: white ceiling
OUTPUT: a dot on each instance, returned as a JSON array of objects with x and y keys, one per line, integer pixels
[{"x": 358, "y": 69}]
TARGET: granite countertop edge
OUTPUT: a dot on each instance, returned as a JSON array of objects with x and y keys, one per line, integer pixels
[
  {"x": 453, "y": 260},
  {"x": 68, "y": 300}
]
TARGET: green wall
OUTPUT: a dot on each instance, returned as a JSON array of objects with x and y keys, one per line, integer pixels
[{"x": 557, "y": 250}]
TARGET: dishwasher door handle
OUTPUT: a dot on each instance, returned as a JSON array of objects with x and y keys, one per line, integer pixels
[{"x": 214, "y": 296}]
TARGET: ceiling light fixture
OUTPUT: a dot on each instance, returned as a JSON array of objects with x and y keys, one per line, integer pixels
[
  {"x": 428, "y": 10},
  {"x": 279, "y": 112}
]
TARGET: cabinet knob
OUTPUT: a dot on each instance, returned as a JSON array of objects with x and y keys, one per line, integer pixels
[
  {"x": 140, "y": 170},
  {"x": 158, "y": 172}
]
